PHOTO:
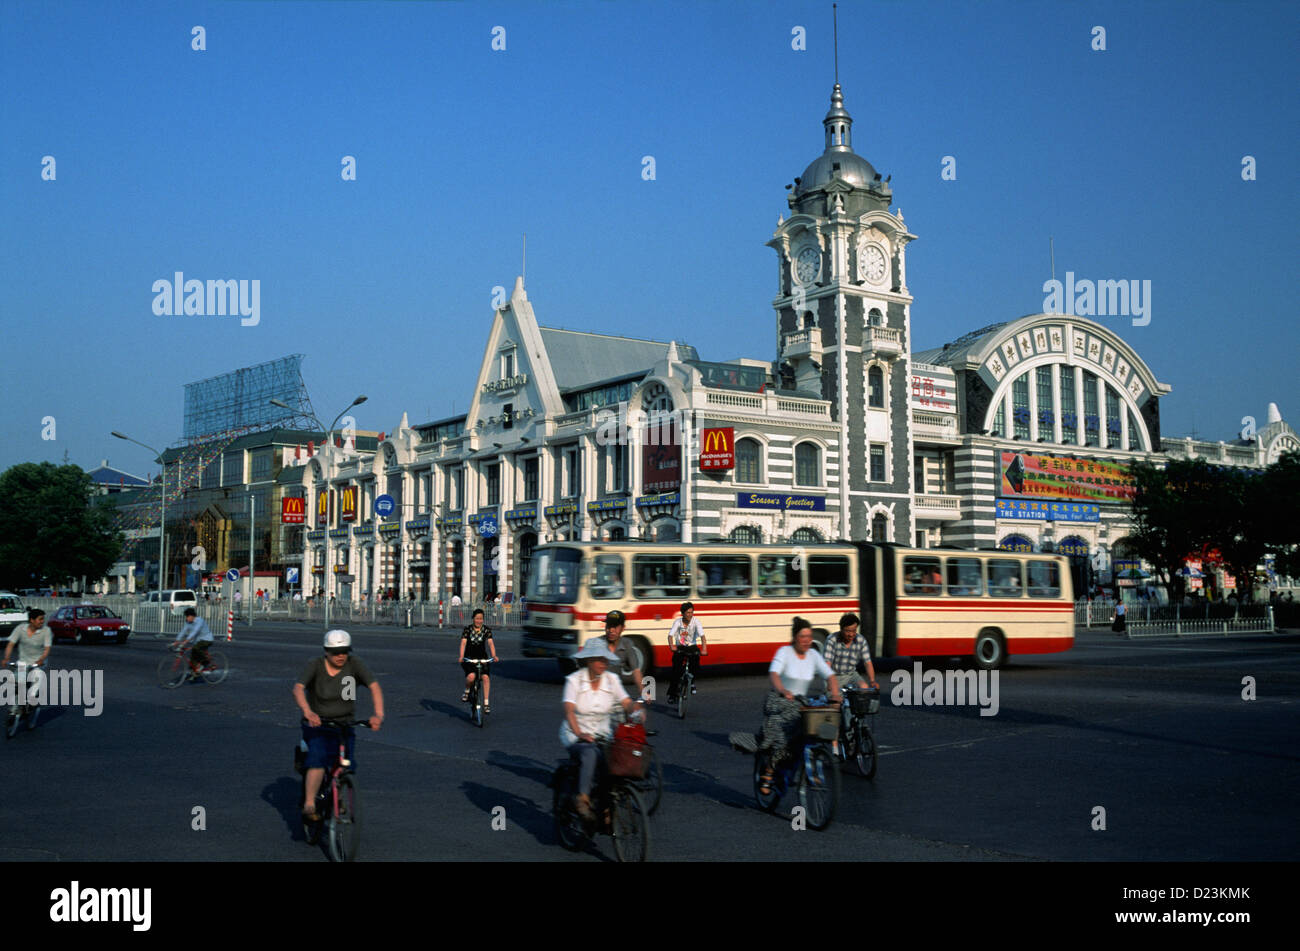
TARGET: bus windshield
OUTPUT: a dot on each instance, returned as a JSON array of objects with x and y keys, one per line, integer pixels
[{"x": 554, "y": 578}]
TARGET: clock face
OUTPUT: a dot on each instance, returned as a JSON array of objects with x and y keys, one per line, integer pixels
[
  {"x": 807, "y": 264},
  {"x": 873, "y": 264}
]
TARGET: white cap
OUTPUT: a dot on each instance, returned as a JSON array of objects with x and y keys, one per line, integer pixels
[{"x": 338, "y": 638}]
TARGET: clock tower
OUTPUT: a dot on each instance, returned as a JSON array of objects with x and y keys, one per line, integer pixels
[{"x": 843, "y": 315}]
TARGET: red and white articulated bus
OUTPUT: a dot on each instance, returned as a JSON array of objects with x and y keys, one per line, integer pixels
[{"x": 983, "y": 605}]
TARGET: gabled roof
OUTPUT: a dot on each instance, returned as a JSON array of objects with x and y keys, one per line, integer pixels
[
  {"x": 580, "y": 359},
  {"x": 952, "y": 354},
  {"x": 107, "y": 475}
]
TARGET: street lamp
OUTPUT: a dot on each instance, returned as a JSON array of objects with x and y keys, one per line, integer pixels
[
  {"x": 329, "y": 433},
  {"x": 162, "y": 522}
]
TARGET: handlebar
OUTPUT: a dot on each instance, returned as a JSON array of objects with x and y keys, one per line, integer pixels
[
  {"x": 342, "y": 725},
  {"x": 480, "y": 662}
]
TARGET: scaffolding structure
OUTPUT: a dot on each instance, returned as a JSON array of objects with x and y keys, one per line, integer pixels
[{"x": 242, "y": 400}]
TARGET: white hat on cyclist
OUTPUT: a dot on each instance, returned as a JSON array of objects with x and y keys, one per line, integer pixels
[
  {"x": 595, "y": 649},
  {"x": 338, "y": 639}
]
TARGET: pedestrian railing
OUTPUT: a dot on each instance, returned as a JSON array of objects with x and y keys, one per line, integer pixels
[
  {"x": 1202, "y": 620},
  {"x": 1095, "y": 613}
]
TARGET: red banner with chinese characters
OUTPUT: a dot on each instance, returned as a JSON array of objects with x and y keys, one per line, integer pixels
[
  {"x": 1029, "y": 475},
  {"x": 717, "y": 449},
  {"x": 293, "y": 510}
]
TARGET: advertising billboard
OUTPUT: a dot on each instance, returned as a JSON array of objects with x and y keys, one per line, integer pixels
[
  {"x": 717, "y": 449},
  {"x": 293, "y": 510},
  {"x": 1029, "y": 475}
]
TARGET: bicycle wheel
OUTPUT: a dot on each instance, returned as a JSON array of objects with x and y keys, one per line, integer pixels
[
  {"x": 683, "y": 692},
  {"x": 345, "y": 824},
  {"x": 864, "y": 749},
  {"x": 310, "y": 830},
  {"x": 12, "y": 722},
  {"x": 172, "y": 670},
  {"x": 33, "y": 714},
  {"x": 630, "y": 824},
  {"x": 216, "y": 661},
  {"x": 568, "y": 826},
  {"x": 819, "y": 787},
  {"x": 651, "y": 786},
  {"x": 766, "y": 801}
]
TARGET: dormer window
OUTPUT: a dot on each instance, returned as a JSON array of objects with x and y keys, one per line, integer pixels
[{"x": 507, "y": 365}]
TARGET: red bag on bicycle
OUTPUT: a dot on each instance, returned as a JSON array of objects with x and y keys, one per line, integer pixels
[{"x": 627, "y": 752}]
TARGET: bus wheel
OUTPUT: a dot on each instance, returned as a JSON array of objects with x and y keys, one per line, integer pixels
[
  {"x": 990, "y": 651},
  {"x": 647, "y": 656}
]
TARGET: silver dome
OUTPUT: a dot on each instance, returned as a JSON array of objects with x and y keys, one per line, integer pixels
[{"x": 853, "y": 168}]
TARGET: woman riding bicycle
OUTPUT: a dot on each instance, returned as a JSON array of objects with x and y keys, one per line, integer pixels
[
  {"x": 475, "y": 644},
  {"x": 327, "y": 690},
  {"x": 591, "y": 694},
  {"x": 791, "y": 672}
]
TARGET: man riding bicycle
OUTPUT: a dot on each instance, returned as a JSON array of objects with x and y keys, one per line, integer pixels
[
  {"x": 327, "y": 690},
  {"x": 686, "y": 640},
  {"x": 847, "y": 654},
  {"x": 33, "y": 641},
  {"x": 195, "y": 631}
]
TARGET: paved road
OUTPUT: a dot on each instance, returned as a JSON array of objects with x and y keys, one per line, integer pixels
[{"x": 1156, "y": 734}]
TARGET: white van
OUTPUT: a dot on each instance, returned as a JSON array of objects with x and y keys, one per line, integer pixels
[
  {"x": 178, "y": 599},
  {"x": 12, "y": 612}
]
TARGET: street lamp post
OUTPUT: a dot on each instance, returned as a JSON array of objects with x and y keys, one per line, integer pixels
[
  {"x": 329, "y": 440},
  {"x": 162, "y": 522}
]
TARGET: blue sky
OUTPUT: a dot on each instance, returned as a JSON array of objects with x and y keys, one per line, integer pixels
[{"x": 225, "y": 164}]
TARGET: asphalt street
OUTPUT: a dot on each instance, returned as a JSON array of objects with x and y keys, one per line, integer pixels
[{"x": 1157, "y": 735}]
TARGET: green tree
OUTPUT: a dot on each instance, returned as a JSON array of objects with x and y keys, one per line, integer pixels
[
  {"x": 1173, "y": 516},
  {"x": 1280, "y": 492},
  {"x": 53, "y": 528}
]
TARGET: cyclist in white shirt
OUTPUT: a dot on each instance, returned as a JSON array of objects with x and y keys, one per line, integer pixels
[
  {"x": 197, "y": 632},
  {"x": 686, "y": 640},
  {"x": 591, "y": 694},
  {"x": 791, "y": 672}
]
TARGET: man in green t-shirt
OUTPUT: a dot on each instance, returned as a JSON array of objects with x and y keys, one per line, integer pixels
[{"x": 327, "y": 690}]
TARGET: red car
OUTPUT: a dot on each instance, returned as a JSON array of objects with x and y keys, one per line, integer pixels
[{"x": 86, "y": 623}]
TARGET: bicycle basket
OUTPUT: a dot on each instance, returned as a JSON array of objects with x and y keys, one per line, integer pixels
[
  {"x": 627, "y": 754},
  {"x": 863, "y": 702},
  {"x": 822, "y": 723}
]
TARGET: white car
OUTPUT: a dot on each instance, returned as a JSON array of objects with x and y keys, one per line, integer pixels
[
  {"x": 178, "y": 599},
  {"x": 12, "y": 612}
]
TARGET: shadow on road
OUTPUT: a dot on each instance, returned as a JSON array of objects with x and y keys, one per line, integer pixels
[
  {"x": 455, "y": 711},
  {"x": 527, "y": 814},
  {"x": 285, "y": 796}
]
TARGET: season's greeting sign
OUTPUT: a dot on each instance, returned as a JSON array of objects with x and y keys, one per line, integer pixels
[{"x": 1028, "y": 475}]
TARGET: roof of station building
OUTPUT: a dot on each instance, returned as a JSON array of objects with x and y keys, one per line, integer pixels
[{"x": 581, "y": 358}]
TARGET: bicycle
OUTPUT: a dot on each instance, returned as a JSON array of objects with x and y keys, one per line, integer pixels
[
  {"x": 337, "y": 802},
  {"x": 621, "y": 812},
  {"x": 686, "y": 686},
  {"x": 173, "y": 670},
  {"x": 476, "y": 692},
  {"x": 856, "y": 740},
  {"x": 812, "y": 770},
  {"x": 21, "y": 714}
]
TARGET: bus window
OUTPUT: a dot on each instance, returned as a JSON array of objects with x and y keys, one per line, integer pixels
[
  {"x": 964, "y": 577},
  {"x": 661, "y": 576},
  {"x": 921, "y": 576},
  {"x": 1044, "y": 579},
  {"x": 554, "y": 578},
  {"x": 779, "y": 576},
  {"x": 724, "y": 576},
  {"x": 828, "y": 575},
  {"x": 1004, "y": 578},
  {"x": 607, "y": 577}
]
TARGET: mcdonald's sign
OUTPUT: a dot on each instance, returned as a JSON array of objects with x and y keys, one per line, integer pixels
[
  {"x": 717, "y": 449},
  {"x": 348, "y": 504},
  {"x": 293, "y": 510},
  {"x": 323, "y": 507}
]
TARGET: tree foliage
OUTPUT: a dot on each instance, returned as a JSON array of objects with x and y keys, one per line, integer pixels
[
  {"x": 1190, "y": 508},
  {"x": 53, "y": 528}
]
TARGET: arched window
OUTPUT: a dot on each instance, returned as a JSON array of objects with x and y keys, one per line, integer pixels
[
  {"x": 875, "y": 318},
  {"x": 807, "y": 536},
  {"x": 745, "y": 535},
  {"x": 880, "y": 528},
  {"x": 876, "y": 388},
  {"x": 807, "y": 464},
  {"x": 749, "y": 461}
]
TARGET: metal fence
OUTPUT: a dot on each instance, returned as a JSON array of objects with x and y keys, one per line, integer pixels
[
  {"x": 154, "y": 619},
  {"x": 1200, "y": 620},
  {"x": 1095, "y": 613}
]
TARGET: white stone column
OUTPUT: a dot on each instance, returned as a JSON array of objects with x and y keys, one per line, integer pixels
[{"x": 1057, "y": 403}]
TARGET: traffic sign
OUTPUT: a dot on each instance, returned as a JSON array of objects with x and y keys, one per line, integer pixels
[
  {"x": 232, "y": 574},
  {"x": 291, "y": 576},
  {"x": 384, "y": 506},
  {"x": 488, "y": 527}
]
